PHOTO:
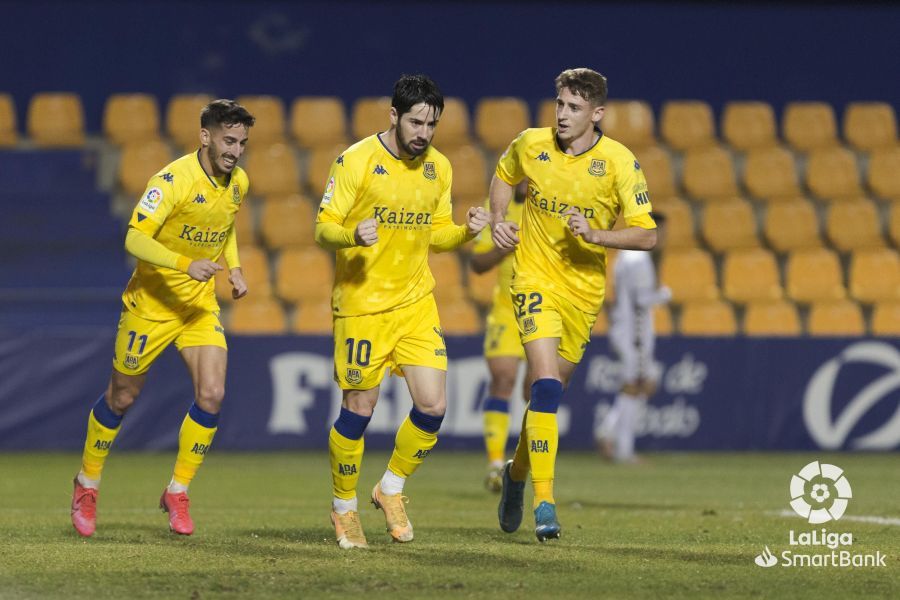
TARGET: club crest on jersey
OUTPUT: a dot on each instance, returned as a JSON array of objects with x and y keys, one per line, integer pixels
[
  {"x": 131, "y": 361},
  {"x": 151, "y": 200},
  {"x": 235, "y": 194},
  {"x": 329, "y": 191},
  {"x": 597, "y": 168},
  {"x": 528, "y": 325},
  {"x": 429, "y": 171},
  {"x": 354, "y": 376}
]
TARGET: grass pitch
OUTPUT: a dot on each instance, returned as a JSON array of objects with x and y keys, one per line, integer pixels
[{"x": 680, "y": 526}]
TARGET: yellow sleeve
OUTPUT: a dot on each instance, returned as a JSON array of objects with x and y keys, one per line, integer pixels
[
  {"x": 445, "y": 234},
  {"x": 337, "y": 201},
  {"x": 154, "y": 206},
  {"x": 643, "y": 220},
  {"x": 631, "y": 188},
  {"x": 230, "y": 251},
  {"x": 144, "y": 247},
  {"x": 509, "y": 167}
]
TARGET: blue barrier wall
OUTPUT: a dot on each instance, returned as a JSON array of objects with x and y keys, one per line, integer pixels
[
  {"x": 717, "y": 394},
  {"x": 713, "y": 51}
]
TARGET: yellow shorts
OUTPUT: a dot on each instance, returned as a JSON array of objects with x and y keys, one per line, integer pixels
[
  {"x": 502, "y": 336},
  {"x": 365, "y": 345},
  {"x": 139, "y": 341},
  {"x": 543, "y": 314}
]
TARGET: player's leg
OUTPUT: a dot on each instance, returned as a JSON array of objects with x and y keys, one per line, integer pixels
[{"x": 495, "y": 415}]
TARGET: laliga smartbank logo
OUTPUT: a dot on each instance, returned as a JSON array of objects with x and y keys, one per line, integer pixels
[{"x": 820, "y": 493}]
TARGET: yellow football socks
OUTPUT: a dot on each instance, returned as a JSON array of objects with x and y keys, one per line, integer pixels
[
  {"x": 496, "y": 429},
  {"x": 96, "y": 445},
  {"x": 194, "y": 440},
  {"x": 543, "y": 437},
  {"x": 413, "y": 443},
  {"x": 346, "y": 462}
]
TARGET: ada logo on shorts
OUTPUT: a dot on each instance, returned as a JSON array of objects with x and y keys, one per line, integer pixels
[
  {"x": 131, "y": 361},
  {"x": 528, "y": 325},
  {"x": 151, "y": 201},
  {"x": 354, "y": 376}
]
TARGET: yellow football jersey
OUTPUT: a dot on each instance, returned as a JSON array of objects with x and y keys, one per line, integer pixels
[
  {"x": 188, "y": 213},
  {"x": 485, "y": 243},
  {"x": 409, "y": 200},
  {"x": 600, "y": 182}
]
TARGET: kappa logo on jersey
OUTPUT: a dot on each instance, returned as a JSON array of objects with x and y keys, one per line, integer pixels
[
  {"x": 597, "y": 168},
  {"x": 340, "y": 160},
  {"x": 168, "y": 177},
  {"x": 354, "y": 376},
  {"x": 528, "y": 325},
  {"x": 543, "y": 157},
  {"x": 192, "y": 233},
  {"x": 637, "y": 166},
  {"x": 379, "y": 170},
  {"x": 429, "y": 171},
  {"x": 642, "y": 198},
  {"x": 150, "y": 202},
  {"x": 219, "y": 329},
  {"x": 347, "y": 469},
  {"x": 199, "y": 199},
  {"x": 236, "y": 194}
]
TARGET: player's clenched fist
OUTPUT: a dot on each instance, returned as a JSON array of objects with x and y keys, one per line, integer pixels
[
  {"x": 578, "y": 224},
  {"x": 366, "y": 233},
  {"x": 477, "y": 219},
  {"x": 505, "y": 235},
  {"x": 203, "y": 269}
]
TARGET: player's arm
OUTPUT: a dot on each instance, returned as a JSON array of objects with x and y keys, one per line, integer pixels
[
  {"x": 233, "y": 260},
  {"x": 338, "y": 199},
  {"x": 506, "y": 176}
]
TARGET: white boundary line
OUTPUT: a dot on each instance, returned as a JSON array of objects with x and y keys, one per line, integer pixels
[{"x": 895, "y": 521}]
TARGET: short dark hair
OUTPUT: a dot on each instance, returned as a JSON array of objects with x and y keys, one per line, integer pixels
[
  {"x": 587, "y": 83},
  {"x": 225, "y": 112},
  {"x": 413, "y": 89},
  {"x": 658, "y": 217}
]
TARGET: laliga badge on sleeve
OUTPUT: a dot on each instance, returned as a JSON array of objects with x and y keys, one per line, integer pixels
[{"x": 152, "y": 199}]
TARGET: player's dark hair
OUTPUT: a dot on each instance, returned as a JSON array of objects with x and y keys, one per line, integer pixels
[
  {"x": 659, "y": 217},
  {"x": 225, "y": 112},
  {"x": 414, "y": 89},
  {"x": 587, "y": 83}
]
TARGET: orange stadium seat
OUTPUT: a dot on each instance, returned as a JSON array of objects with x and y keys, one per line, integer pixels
[
  {"x": 601, "y": 325},
  {"x": 183, "y": 119},
  {"x": 318, "y": 121},
  {"x": 447, "y": 275},
  {"x": 140, "y": 161},
  {"x": 729, "y": 224},
  {"x": 9, "y": 135},
  {"x": 751, "y": 275},
  {"x": 832, "y": 174},
  {"x": 690, "y": 274},
  {"x": 662, "y": 320},
  {"x": 461, "y": 206},
  {"x": 886, "y": 319},
  {"x": 130, "y": 118},
  {"x": 809, "y": 125},
  {"x": 749, "y": 125},
  {"x": 687, "y": 124},
  {"x": 875, "y": 275},
  {"x": 470, "y": 174},
  {"x": 813, "y": 275},
  {"x": 454, "y": 127},
  {"x": 370, "y": 116},
  {"x": 854, "y": 224},
  {"x": 499, "y": 120},
  {"x": 257, "y": 316},
  {"x": 254, "y": 267},
  {"x": 791, "y": 225},
  {"x": 288, "y": 222},
  {"x": 318, "y": 166},
  {"x": 657, "y": 167},
  {"x": 270, "y": 118},
  {"x": 710, "y": 318},
  {"x": 679, "y": 222},
  {"x": 708, "y": 174},
  {"x": 313, "y": 318},
  {"x": 870, "y": 125},
  {"x": 894, "y": 222},
  {"x": 546, "y": 114},
  {"x": 480, "y": 287},
  {"x": 836, "y": 318},
  {"x": 630, "y": 122},
  {"x": 770, "y": 173},
  {"x": 778, "y": 318},
  {"x": 273, "y": 170},
  {"x": 458, "y": 317},
  {"x": 56, "y": 120},
  {"x": 304, "y": 274},
  {"x": 884, "y": 173}
]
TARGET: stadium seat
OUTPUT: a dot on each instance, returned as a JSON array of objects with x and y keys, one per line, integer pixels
[
  {"x": 894, "y": 222},
  {"x": 832, "y": 174},
  {"x": 461, "y": 206},
  {"x": 809, "y": 125},
  {"x": 56, "y": 120},
  {"x": 662, "y": 320},
  {"x": 255, "y": 269},
  {"x": 130, "y": 118},
  {"x": 9, "y": 135},
  {"x": 687, "y": 124},
  {"x": 875, "y": 275},
  {"x": 886, "y": 319},
  {"x": 546, "y": 114},
  {"x": 690, "y": 274},
  {"x": 601, "y": 325},
  {"x": 629, "y": 122},
  {"x": 318, "y": 121},
  {"x": 657, "y": 167},
  {"x": 770, "y": 173},
  {"x": 813, "y": 275},
  {"x": 183, "y": 119},
  {"x": 480, "y": 287},
  {"x": 447, "y": 275},
  {"x": 791, "y": 225},
  {"x": 710, "y": 318},
  {"x": 853, "y": 225},
  {"x": 679, "y": 222},
  {"x": 458, "y": 317},
  {"x": 454, "y": 128},
  {"x": 729, "y": 224},
  {"x": 140, "y": 161},
  {"x": 499, "y": 120},
  {"x": 260, "y": 316},
  {"x": 870, "y": 125},
  {"x": 749, "y": 125},
  {"x": 288, "y": 222},
  {"x": 884, "y": 173},
  {"x": 370, "y": 115},
  {"x": 318, "y": 165},
  {"x": 304, "y": 274},
  {"x": 270, "y": 122},
  {"x": 751, "y": 275},
  {"x": 470, "y": 173},
  {"x": 778, "y": 318},
  {"x": 836, "y": 318},
  {"x": 708, "y": 174},
  {"x": 313, "y": 318},
  {"x": 273, "y": 170}
]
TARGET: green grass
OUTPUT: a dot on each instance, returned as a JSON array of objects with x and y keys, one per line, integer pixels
[{"x": 682, "y": 526}]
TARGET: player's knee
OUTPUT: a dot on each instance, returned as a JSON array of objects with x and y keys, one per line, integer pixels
[
  {"x": 502, "y": 385},
  {"x": 426, "y": 419},
  {"x": 120, "y": 400},
  {"x": 210, "y": 396}
]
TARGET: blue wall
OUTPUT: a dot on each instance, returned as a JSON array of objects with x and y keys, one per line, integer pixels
[{"x": 657, "y": 51}]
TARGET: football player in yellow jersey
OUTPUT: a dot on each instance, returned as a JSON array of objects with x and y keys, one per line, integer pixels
[
  {"x": 579, "y": 182},
  {"x": 502, "y": 346},
  {"x": 386, "y": 203},
  {"x": 179, "y": 228}
]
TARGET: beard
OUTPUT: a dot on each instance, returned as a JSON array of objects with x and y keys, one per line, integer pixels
[{"x": 407, "y": 147}]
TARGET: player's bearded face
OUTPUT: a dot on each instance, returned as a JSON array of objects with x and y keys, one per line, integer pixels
[
  {"x": 226, "y": 144},
  {"x": 415, "y": 129},
  {"x": 575, "y": 116}
]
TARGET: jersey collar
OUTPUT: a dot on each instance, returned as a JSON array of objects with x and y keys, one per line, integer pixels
[
  {"x": 394, "y": 156},
  {"x": 597, "y": 130},
  {"x": 209, "y": 177}
]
